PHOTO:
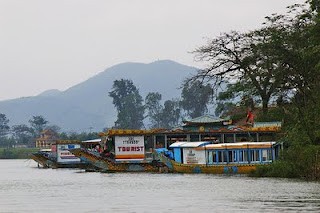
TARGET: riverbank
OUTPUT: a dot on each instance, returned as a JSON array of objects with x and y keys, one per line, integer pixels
[
  {"x": 16, "y": 153},
  {"x": 302, "y": 162}
]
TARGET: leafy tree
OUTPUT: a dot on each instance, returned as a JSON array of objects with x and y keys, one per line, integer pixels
[
  {"x": 54, "y": 128},
  {"x": 246, "y": 58},
  {"x": 171, "y": 114},
  {"x": 4, "y": 127},
  {"x": 38, "y": 124},
  {"x": 195, "y": 97},
  {"x": 301, "y": 57},
  {"x": 128, "y": 102},
  {"x": 154, "y": 108},
  {"x": 78, "y": 136},
  {"x": 22, "y": 134}
]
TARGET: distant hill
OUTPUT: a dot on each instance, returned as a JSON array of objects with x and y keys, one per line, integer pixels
[{"x": 87, "y": 104}]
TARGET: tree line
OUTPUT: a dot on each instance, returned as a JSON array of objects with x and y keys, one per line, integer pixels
[
  {"x": 23, "y": 134},
  {"x": 134, "y": 110}
]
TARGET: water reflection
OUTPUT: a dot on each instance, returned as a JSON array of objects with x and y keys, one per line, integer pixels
[{"x": 25, "y": 188}]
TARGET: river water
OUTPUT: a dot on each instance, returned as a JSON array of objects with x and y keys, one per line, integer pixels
[{"x": 25, "y": 188}]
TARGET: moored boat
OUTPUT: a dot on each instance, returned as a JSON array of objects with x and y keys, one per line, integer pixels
[
  {"x": 59, "y": 156},
  {"x": 133, "y": 150},
  {"x": 223, "y": 158},
  {"x": 107, "y": 164},
  {"x": 121, "y": 152}
]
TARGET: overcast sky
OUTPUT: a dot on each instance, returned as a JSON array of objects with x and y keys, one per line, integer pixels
[{"x": 55, "y": 44}]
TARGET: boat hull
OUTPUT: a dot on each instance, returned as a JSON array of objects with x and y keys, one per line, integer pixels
[
  {"x": 173, "y": 166},
  {"x": 46, "y": 162},
  {"x": 108, "y": 165}
]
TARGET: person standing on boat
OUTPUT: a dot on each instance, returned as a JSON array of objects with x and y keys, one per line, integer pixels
[{"x": 250, "y": 117}]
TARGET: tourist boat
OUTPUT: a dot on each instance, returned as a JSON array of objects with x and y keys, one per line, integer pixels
[
  {"x": 133, "y": 150},
  {"x": 59, "y": 156},
  {"x": 107, "y": 164},
  {"x": 123, "y": 152},
  {"x": 221, "y": 158},
  {"x": 42, "y": 157}
]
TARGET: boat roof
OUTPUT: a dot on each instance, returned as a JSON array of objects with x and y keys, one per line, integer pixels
[
  {"x": 240, "y": 145},
  {"x": 92, "y": 141},
  {"x": 177, "y": 144},
  {"x": 45, "y": 150},
  {"x": 189, "y": 144}
]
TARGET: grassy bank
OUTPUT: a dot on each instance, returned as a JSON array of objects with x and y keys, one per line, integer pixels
[
  {"x": 16, "y": 153},
  {"x": 296, "y": 162}
]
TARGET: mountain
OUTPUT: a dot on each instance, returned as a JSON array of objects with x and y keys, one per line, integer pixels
[
  {"x": 87, "y": 105},
  {"x": 51, "y": 92}
]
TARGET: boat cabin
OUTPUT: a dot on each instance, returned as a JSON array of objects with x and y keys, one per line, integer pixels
[
  {"x": 60, "y": 151},
  {"x": 224, "y": 153}
]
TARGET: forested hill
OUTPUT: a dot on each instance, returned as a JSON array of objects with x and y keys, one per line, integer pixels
[{"x": 88, "y": 104}]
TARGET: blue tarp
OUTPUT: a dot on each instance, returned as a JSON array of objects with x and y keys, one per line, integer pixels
[{"x": 165, "y": 151}]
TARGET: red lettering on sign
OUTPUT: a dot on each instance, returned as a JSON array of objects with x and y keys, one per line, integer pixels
[{"x": 132, "y": 149}]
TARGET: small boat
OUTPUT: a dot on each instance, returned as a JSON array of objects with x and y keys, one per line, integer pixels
[
  {"x": 42, "y": 157},
  {"x": 110, "y": 164},
  {"x": 59, "y": 156},
  {"x": 223, "y": 158}
]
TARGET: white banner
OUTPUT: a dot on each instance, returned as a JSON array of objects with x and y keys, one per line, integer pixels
[
  {"x": 129, "y": 147},
  {"x": 63, "y": 154},
  {"x": 191, "y": 156}
]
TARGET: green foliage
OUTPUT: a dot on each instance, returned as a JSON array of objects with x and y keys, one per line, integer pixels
[
  {"x": 154, "y": 108},
  {"x": 4, "y": 127},
  {"x": 171, "y": 114},
  {"x": 131, "y": 116},
  {"x": 195, "y": 98},
  {"x": 6, "y": 142},
  {"x": 273, "y": 114},
  {"x": 16, "y": 153},
  {"x": 23, "y": 134},
  {"x": 296, "y": 162},
  {"x": 79, "y": 136},
  {"x": 38, "y": 124},
  {"x": 128, "y": 103},
  {"x": 166, "y": 116}
]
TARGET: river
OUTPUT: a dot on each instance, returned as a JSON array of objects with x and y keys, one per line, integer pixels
[{"x": 26, "y": 188}]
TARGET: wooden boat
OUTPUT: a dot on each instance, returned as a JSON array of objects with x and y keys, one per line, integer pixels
[
  {"x": 225, "y": 158},
  {"x": 42, "y": 157},
  {"x": 107, "y": 164},
  {"x": 133, "y": 150},
  {"x": 59, "y": 156}
]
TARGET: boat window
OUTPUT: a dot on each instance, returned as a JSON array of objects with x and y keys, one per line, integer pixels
[
  {"x": 255, "y": 155},
  {"x": 222, "y": 156},
  {"x": 212, "y": 157},
  {"x": 232, "y": 156},
  {"x": 160, "y": 141},
  {"x": 266, "y": 155},
  {"x": 243, "y": 156}
]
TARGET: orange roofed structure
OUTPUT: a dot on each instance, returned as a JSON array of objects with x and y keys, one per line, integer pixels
[{"x": 46, "y": 139}]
